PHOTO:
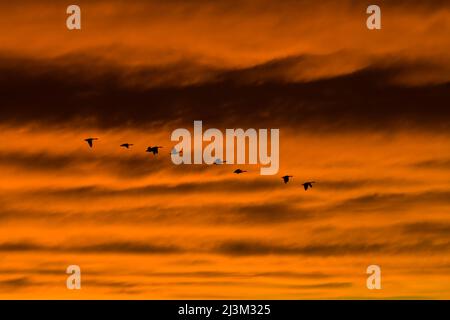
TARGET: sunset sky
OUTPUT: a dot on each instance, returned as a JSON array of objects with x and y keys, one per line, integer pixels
[{"x": 364, "y": 113}]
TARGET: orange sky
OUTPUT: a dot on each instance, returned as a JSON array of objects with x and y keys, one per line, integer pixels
[{"x": 363, "y": 113}]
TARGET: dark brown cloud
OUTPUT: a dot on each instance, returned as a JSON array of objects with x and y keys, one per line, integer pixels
[
  {"x": 118, "y": 247},
  {"x": 73, "y": 163},
  {"x": 15, "y": 283},
  {"x": 326, "y": 285},
  {"x": 439, "y": 229},
  {"x": 390, "y": 202},
  {"x": 20, "y": 247},
  {"x": 44, "y": 271},
  {"x": 66, "y": 93},
  {"x": 280, "y": 210},
  {"x": 126, "y": 247},
  {"x": 433, "y": 164},
  {"x": 225, "y": 185},
  {"x": 249, "y": 248},
  {"x": 221, "y": 274},
  {"x": 262, "y": 213},
  {"x": 241, "y": 248},
  {"x": 352, "y": 184},
  {"x": 259, "y": 248}
]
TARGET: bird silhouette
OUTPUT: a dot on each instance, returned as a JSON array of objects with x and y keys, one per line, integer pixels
[
  {"x": 286, "y": 178},
  {"x": 174, "y": 151},
  {"x": 219, "y": 161},
  {"x": 126, "y": 145},
  {"x": 238, "y": 171},
  {"x": 90, "y": 141},
  {"x": 153, "y": 150},
  {"x": 308, "y": 184}
]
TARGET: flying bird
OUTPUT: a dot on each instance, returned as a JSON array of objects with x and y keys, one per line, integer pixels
[
  {"x": 126, "y": 145},
  {"x": 174, "y": 151},
  {"x": 286, "y": 178},
  {"x": 219, "y": 161},
  {"x": 153, "y": 150},
  {"x": 238, "y": 171},
  {"x": 90, "y": 141},
  {"x": 308, "y": 184}
]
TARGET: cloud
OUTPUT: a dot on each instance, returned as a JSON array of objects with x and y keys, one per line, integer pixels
[
  {"x": 19, "y": 247},
  {"x": 433, "y": 164},
  {"x": 220, "y": 274},
  {"x": 223, "y": 185},
  {"x": 293, "y": 207},
  {"x": 73, "y": 163},
  {"x": 234, "y": 248},
  {"x": 112, "y": 247},
  {"x": 389, "y": 202},
  {"x": 249, "y": 248},
  {"x": 126, "y": 247},
  {"x": 267, "y": 213},
  {"x": 366, "y": 99},
  {"x": 223, "y": 32},
  {"x": 15, "y": 283},
  {"x": 37, "y": 161},
  {"x": 263, "y": 213},
  {"x": 241, "y": 248},
  {"x": 352, "y": 184},
  {"x": 112, "y": 284},
  {"x": 255, "y": 248},
  {"x": 326, "y": 285},
  {"x": 43, "y": 271},
  {"x": 438, "y": 229}
]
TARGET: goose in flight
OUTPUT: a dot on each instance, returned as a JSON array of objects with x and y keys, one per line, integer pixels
[
  {"x": 238, "y": 171},
  {"x": 90, "y": 141},
  {"x": 219, "y": 161},
  {"x": 174, "y": 151},
  {"x": 286, "y": 178},
  {"x": 308, "y": 184},
  {"x": 126, "y": 145},
  {"x": 153, "y": 150}
]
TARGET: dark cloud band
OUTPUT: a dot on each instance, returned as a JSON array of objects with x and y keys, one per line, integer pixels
[{"x": 84, "y": 95}]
